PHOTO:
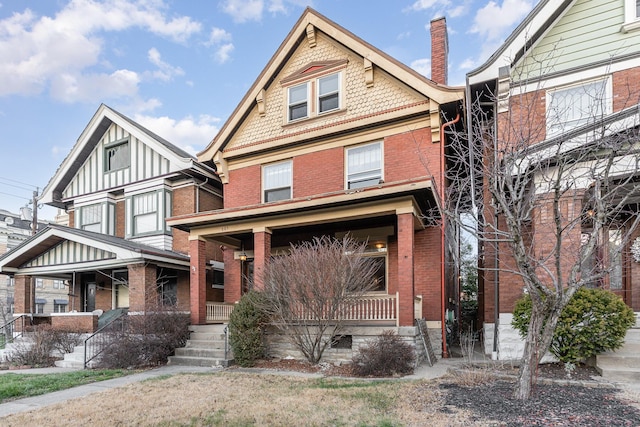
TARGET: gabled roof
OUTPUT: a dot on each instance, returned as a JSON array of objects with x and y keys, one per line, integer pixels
[
  {"x": 89, "y": 139},
  {"x": 114, "y": 250},
  {"x": 439, "y": 93},
  {"x": 521, "y": 40}
]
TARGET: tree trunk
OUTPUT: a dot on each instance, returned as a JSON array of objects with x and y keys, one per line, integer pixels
[{"x": 542, "y": 325}]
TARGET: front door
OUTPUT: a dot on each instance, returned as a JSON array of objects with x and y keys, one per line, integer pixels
[{"x": 90, "y": 297}]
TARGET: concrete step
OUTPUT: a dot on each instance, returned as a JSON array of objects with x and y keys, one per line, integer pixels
[
  {"x": 70, "y": 364},
  {"x": 206, "y": 336},
  {"x": 617, "y": 360},
  {"x": 218, "y": 328},
  {"x": 198, "y": 361},
  {"x": 200, "y": 352},
  {"x": 211, "y": 344},
  {"x": 620, "y": 374}
]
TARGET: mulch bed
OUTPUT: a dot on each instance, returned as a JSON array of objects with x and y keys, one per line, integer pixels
[{"x": 582, "y": 402}]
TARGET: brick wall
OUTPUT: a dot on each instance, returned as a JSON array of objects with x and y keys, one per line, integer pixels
[
  {"x": 103, "y": 295},
  {"x": 72, "y": 221},
  {"x": 121, "y": 219},
  {"x": 426, "y": 268},
  {"x": 318, "y": 172},
  {"x": 76, "y": 322},
  {"x": 439, "y": 50},
  {"x": 183, "y": 290},
  {"x": 410, "y": 155},
  {"x": 626, "y": 88},
  {"x": 142, "y": 286},
  {"x": 244, "y": 187},
  {"x": 183, "y": 203}
]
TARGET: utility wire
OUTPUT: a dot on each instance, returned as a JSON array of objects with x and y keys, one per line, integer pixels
[
  {"x": 16, "y": 186},
  {"x": 19, "y": 182},
  {"x": 14, "y": 195}
]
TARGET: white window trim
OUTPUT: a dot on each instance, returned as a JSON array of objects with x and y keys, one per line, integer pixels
[
  {"x": 313, "y": 96},
  {"x": 346, "y": 163},
  {"x": 262, "y": 179},
  {"x": 631, "y": 18},
  {"x": 607, "y": 105},
  {"x": 340, "y": 91}
]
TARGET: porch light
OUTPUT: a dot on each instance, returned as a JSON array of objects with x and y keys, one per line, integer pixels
[
  {"x": 243, "y": 256},
  {"x": 379, "y": 245}
]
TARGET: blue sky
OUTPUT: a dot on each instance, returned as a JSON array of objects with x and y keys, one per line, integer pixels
[{"x": 181, "y": 67}]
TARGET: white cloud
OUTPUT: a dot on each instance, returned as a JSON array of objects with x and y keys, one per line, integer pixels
[
  {"x": 94, "y": 88},
  {"x": 221, "y": 41},
  {"x": 493, "y": 21},
  {"x": 56, "y": 52},
  {"x": 223, "y": 53},
  {"x": 420, "y": 5},
  {"x": 423, "y": 66},
  {"x": 192, "y": 135},
  {"x": 165, "y": 71},
  {"x": 244, "y": 10}
]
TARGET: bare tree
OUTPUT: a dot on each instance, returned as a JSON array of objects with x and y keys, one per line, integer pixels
[
  {"x": 311, "y": 290},
  {"x": 546, "y": 207}
]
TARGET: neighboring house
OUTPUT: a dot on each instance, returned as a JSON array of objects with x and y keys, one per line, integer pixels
[
  {"x": 118, "y": 185},
  {"x": 336, "y": 137},
  {"x": 15, "y": 229},
  {"x": 577, "y": 64}
]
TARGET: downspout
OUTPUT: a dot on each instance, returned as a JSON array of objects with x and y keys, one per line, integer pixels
[
  {"x": 496, "y": 278},
  {"x": 445, "y": 350}
]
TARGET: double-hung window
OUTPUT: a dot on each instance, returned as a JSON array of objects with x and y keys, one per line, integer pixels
[
  {"x": 298, "y": 105},
  {"x": 314, "y": 97},
  {"x": 276, "y": 181},
  {"x": 631, "y": 15},
  {"x": 91, "y": 218},
  {"x": 364, "y": 165},
  {"x": 145, "y": 213},
  {"x": 573, "y": 106},
  {"x": 328, "y": 93}
]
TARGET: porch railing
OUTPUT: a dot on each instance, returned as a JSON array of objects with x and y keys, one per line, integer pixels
[
  {"x": 367, "y": 308},
  {"x": 219, "y": 311},
  {"x": 13, "y": 329},
  {"x": 97, "y": 342}
]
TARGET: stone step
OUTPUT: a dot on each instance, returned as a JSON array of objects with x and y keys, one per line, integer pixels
[
  {"x": 206, "y": 336},
  {"x": 70, "y": 364},
  {"x": 198, "y": 361},
  {"x": 200, "y": 352},
  {"x": 218, "y": 328}
]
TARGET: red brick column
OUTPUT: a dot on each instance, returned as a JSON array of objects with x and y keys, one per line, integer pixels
[
  {"x": 232, "y": 276},
  {"x": 405, "y": 268},
  {"x": 261, "y": 255},
  {"x": 22, "y": 296},
  {"x": 198, "y": 281},
  {"x": 143, "y": 292}
]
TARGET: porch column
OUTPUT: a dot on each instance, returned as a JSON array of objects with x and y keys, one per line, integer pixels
[
  {"x": 261, "y": 255},
  {"x": 198, "y": 281},
  {"x": 143, "y": 291},
  {"x": 232, "y": 276},
  {"x": 405, "y": 268},
  {"x": 22, "y": 296}
]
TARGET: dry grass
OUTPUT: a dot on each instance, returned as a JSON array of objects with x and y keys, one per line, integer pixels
[{"x": 241, "y": 399}]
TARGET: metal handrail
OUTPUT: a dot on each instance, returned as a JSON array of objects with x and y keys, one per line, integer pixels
[
  {"x": 99, "y": 337},
  {"x": 8, "y": 329},
  {"x": 226, "y": 342}
]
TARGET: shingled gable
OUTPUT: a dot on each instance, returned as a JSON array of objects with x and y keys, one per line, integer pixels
[
  {"x": 305, "y": 31},
  {"x": 89, "y": 140}
]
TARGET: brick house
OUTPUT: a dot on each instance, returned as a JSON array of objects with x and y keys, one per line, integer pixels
[
  {"x": 118, "y": 184},
  {"x": 570, "y": 72},
  {"x": 335, "y": 137}
]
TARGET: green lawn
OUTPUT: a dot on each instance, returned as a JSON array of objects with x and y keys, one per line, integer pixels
[{"x": 15, "y": 386}]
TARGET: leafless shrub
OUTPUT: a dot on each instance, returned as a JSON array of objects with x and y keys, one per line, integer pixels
[
  {"x": 310, "y": 290},
  {"x": 148, "y": 339},
  {"x": 385, "y": 356}
]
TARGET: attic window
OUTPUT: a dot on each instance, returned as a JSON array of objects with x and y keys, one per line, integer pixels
[
  {"x": 116, "y": 156},
  {"x": 631, "y": 16}
]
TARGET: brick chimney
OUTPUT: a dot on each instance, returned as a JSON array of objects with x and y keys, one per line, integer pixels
[{"x": 439, "y": 50}]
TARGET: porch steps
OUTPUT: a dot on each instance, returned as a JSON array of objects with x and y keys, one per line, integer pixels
[
  {"x": 74, "y": 360},
  {"x": 624, "y": 363},
  {"x": 205, "y": 347}
]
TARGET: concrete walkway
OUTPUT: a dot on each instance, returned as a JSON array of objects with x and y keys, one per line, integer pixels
[{"x": 29, "y": 403}]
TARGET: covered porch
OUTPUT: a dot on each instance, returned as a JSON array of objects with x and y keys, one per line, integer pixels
[
  {"x": 395, "y": 221},
  {"x": 98, "y": 272}
]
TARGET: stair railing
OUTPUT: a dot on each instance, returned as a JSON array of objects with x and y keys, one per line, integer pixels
[
  {"x": 9, "y": 333},
  {"x": 96, "y": 343}
]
